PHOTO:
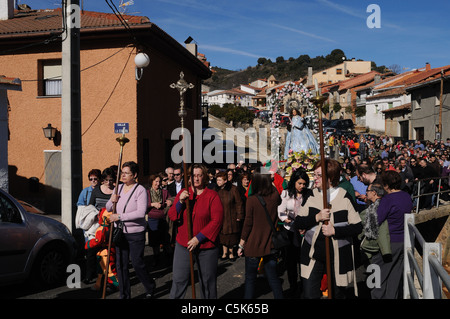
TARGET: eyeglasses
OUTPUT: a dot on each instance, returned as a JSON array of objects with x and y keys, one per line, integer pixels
[
  {"x": 370, "y": 190},
  {"x": 317, "y": 175},
  {"x": 165, "y": 179},
  {"x": 93, "y": 179},
  {"x": 177, "y": 174}
]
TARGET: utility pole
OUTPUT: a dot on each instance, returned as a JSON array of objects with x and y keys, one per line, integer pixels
[
  {"x": 71, "y": 168},
  {"x": 440, "y": 104}
]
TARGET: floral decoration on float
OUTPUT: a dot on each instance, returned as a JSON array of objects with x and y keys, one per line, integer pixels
[
  {"x": 291, "y": 95},
  {"x": 300, "y": 160}
]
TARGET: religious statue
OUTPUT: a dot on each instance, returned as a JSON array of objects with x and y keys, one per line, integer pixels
[{"x": 299, "y": 137}]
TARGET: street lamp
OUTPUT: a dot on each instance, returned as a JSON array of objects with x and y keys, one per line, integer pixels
[
  {"x": 141, "y": 60},
  {"x": 49, "y": 131}
]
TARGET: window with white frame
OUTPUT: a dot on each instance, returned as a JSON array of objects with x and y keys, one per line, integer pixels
[{"x": 50, "y": 79}]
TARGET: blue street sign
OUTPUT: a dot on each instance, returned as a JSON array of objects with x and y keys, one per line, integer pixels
[{"x": 120, "y": 128}]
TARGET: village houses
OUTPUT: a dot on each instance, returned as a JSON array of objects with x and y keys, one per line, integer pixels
[{"x": 111, "y": 92}]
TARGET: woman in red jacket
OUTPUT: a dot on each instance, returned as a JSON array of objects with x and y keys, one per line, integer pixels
[{"x": 207, "y": 216}]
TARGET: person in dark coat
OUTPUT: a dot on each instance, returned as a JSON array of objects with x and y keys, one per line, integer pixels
[
  {"x": 256, "y": 236},
  {"x": 177, "y": 184},
  {"x": 428, "y": 185},
  {"x": 232, "y": 215}
]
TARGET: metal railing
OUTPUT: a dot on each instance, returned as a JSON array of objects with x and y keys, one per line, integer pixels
[
  {"x": 418, "y": 185},
  {"x": 432, "y": 275}
]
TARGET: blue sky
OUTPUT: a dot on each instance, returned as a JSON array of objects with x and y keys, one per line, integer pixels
[{"x": 233, "y": 34}]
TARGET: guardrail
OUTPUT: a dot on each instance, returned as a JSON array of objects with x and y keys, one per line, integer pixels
[
  {"x": 432, "y": 275},
  {"x": 418, "y": 185}
]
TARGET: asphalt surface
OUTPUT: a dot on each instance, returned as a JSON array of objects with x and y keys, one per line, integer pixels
[{"x": 230, "y": 283}]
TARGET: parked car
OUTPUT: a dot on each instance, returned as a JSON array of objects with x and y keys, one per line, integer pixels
[
  {"x": 264, "y": 115},
  {"x": 342, "y": 127},
  {"x": 30, "y": 208},
  {"x": 32, "y": 246}
]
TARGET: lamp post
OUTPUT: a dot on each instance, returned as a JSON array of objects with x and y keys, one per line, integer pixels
[
  {"x": 141, "y": 60},
  {"x": 182, "y": 86},
  {"x": 49, "y": 131}
]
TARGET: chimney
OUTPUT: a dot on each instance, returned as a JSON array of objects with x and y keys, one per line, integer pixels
[
  {"x": 6, "y": 9},
  {"x": 377, "y": 79},
  {"x": 192, "y": 47},
  {"x": 427, "y": 66},
  {"x": 309, "y": 81}
]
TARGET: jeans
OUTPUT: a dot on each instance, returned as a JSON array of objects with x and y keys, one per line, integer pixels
[{"x": 251, "y": 273}]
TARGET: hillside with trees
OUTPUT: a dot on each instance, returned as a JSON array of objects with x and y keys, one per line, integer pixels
[{"x": 283, "y": 69}]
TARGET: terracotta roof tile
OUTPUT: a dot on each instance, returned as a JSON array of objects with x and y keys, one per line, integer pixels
[
  {"x": 392, "y": 92},
  {"x": 404, "y": 107},
  {"x": 50, "y": 20},
  {"x": 356, "y": 81}
]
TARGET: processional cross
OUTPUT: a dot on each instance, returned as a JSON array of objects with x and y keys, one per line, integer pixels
[{"x": 182, "y": 86}]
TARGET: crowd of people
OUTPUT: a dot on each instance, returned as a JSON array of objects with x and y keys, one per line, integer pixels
[{"x": 229, "y": 214}]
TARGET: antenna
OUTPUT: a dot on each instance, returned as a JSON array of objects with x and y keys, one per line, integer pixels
[{"x": 123, "y": 6}]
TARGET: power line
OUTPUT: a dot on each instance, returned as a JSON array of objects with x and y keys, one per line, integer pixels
[
  {"x": 110, "y": 95},
  {"x": 86, "y": 68}
]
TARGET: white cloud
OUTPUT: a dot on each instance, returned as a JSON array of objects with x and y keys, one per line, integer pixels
[
  {"x": 228, "y": 50},
  {"x": 303, "y": 33}
]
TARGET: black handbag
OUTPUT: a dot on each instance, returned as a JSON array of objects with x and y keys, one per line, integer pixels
[
  {"x": 118, "y": 237},
  {"x": 280, "y": 239}
]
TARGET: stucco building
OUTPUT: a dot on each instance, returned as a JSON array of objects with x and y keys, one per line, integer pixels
[
  {"x": 30, "y": 49},
  {"x": 340, "y": 72}
]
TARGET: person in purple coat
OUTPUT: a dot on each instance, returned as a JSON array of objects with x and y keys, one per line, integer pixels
[{"x": 393, "y": 207}]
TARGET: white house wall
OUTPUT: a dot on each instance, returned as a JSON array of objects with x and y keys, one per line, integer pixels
[{"x": 375, "y": 120}]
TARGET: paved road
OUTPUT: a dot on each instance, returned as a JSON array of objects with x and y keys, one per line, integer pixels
[
  {"x": 231, "y": 276},
  {"x": 230, "y": 283}
]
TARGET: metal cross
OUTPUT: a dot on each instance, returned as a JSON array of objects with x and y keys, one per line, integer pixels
[{"x": 182, "y": 86}]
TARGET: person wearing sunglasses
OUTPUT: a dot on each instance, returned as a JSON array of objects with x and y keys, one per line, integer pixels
[
  {"x": 99, "y": 198},
  {"x": 178, "y": 183},
  {"x": 85, "y": 195},
  {"x": 86, "y": 220},
  {"x": 100, "y": 195}
]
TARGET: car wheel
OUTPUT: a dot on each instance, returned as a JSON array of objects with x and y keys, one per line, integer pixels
[{"x": 50, "y": 266}]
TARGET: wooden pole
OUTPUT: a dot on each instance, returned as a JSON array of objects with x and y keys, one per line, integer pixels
[
  {"x": 182, "y": 86},
  {"x": 189, "y": 225},
  {"x": 318, "y": 100},
  {"x": 440, "y": 105},
  {"x": 122, "y": 141}
]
